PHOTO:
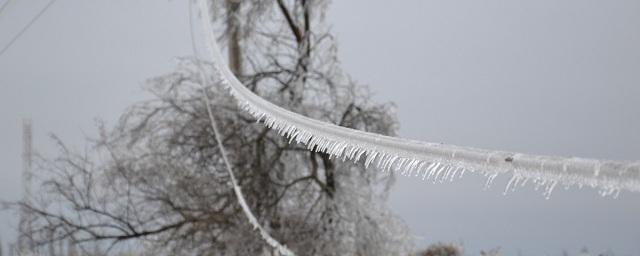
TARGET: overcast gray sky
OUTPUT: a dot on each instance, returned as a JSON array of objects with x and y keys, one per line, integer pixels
[{"x": 555, "y": 77}]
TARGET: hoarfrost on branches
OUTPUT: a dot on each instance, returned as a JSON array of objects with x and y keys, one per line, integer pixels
[{"x": 156, "y": 182}]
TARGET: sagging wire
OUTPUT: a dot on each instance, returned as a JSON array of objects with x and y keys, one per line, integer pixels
[{"x": 283, "y": 250}]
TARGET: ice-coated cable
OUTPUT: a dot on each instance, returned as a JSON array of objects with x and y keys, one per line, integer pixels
[
  {"x": 283, "y": 250},
  {"x": 435, "y": 161}
]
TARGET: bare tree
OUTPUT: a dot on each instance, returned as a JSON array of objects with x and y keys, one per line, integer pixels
[{"x": 156, "y": 182}]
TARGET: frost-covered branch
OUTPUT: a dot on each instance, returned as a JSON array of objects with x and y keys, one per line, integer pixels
[
  {"x": 428, "y": 160},
  {"x": 236, "y": 188}
]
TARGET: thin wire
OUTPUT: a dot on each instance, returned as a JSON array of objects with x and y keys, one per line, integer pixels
[
  {"x": 17, "y": 36},
  {"x": 236, "y": 188}
]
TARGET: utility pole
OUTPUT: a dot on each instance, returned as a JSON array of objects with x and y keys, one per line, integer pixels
[
  {"x": 12, "y": 250},
  {"x": 25, "y": 236},
  {"x": 233, "y": 33},
  {"x": 52, "y": 248}
]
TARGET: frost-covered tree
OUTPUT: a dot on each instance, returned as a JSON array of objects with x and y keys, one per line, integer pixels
[
  {"x": 155, "y": 183},
  {"x": 492, "y": 252},
  {"x": 443, "y": 249}
]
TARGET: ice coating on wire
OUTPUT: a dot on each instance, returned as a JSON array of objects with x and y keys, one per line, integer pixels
[
  {"x": 434, "y": 161},
  {"x": 281, "y": 249}
]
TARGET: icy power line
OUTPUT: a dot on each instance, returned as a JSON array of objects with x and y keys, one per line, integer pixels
[
  {"x": 236, "y": 188},
  {"x": 435, "y": 161}
]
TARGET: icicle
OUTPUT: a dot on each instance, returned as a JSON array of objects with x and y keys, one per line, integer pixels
[
  {"x": 490, "y": 179},
  {"x": 512, "y": 181},
  {"x": 431, "y": 169},
  {"x": 370, "y": 157},
  {"x": 549, "y": 189},
  {"x": 420, "y": 168}
]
